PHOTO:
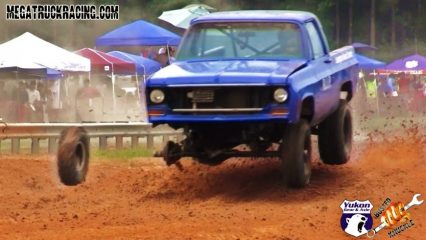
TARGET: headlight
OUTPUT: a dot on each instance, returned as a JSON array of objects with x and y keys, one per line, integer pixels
[
  {"x": 280, "y": 95},
  {"x": 156, "y": 96}
]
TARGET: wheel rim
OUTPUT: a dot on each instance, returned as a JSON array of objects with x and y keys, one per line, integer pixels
[{"x": 80, "y": 152}]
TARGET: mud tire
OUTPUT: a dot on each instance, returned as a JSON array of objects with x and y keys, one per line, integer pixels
[
  {"x": 73, "y": 156},
  {"x": 171, "y": 152},
  {"x": 335, "y": 136},
  {"x": 296, "y": 154}
]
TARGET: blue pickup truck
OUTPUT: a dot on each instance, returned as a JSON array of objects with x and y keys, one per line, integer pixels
[
  {"x": 264, "y": 79},
  {"x": 259, "y": 78}
]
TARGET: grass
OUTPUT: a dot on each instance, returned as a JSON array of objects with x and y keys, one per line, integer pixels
[{"x": 122, "y": 154}]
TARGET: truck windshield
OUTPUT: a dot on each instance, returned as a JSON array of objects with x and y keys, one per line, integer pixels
[{"x": 241, "y": 40}]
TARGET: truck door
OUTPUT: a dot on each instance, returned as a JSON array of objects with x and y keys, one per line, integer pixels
[{"x": 326, "y": 97}]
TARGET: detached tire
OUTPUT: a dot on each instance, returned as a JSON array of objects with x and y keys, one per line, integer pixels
[
  {"x": 296, "y": 154},
  {"x": 335, "y": 136},
  {"x": 73, "y": 156}
]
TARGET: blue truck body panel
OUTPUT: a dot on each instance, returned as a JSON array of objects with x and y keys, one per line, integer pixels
[
  {"x": 320, "y": 79},
  {"x": 225, "y": 72}
]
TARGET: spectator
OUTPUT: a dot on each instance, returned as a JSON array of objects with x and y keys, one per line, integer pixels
[
  {"x": 87, "y": 91},
  {"x": 84, "y": 98},
  {"x": 404, "y": 84},
  {"x": 54, "y": 104},
  {"x": 391, "y": 82},
  {"x": 171, "y": 51},
  {"x": 3, "y": 93},
  {"x": 387, "y": 86},
  {"x": 371, "y": 88},
  {"x": 165, "y": 55},
  {"x": 5, "y": 101},
  {"x": 21, "y": 102},
  {"x": 148, "y": 52},
  {"x": 418, "y": 101},
  {"x": 44, "y": 92},
  {"x": 34, "y": 103}
]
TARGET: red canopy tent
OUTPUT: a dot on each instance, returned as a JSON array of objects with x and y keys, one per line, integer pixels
[
  {"x": 101, "y": 62},
  {"x": 104, "y": 63}
]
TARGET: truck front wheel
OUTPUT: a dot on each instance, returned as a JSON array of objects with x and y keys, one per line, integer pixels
[
  {"x": 296, "y": 151},
  {"x": 335, "y": 136}
]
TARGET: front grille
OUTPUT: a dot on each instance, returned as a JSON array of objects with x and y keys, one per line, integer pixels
[
  {"x": 200, "y": 95},
  {"x": 219, "y": 97}
]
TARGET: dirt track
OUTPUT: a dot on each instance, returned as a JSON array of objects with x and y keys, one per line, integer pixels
[{"x": 241, "y": 199}]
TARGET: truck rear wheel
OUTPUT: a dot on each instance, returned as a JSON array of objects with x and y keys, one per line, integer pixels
[
  {"x": 296, "y": 151},
  {"x": 335, "y": 136},
  {"x": 73, "y": 156}
]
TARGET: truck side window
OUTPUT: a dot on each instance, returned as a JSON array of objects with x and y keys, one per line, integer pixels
[{"x": 316, "y": 42}]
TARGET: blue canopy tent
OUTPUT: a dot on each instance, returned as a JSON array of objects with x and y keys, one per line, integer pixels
[
  {"x": 412, "y": 64},
  {"x": 138, "y": 33},
  {"x": 33, "y": 71},
  {"x": 52, "y": 74},
  {"x": 368, "y": 63},
  {"x": 144, "y": 66}
]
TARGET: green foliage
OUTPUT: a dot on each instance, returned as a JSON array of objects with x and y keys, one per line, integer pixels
[{"x": 122, "y": 154}]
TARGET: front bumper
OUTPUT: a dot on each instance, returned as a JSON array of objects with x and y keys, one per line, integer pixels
[{"x": 161, "y": 114}]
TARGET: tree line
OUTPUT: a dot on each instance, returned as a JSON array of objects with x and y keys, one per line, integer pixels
[{"x": 395, "y": 27}]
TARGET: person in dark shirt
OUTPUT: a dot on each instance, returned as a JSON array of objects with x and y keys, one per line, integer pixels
[
  {"x": 404, "y": 84},
  {"x": 21, "y": 102},
  {"x": 5, "y": 101},
  {"x": 3, "y": 93}
]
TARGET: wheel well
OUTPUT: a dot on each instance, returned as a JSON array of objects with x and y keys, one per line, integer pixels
[
  {"x": 346, "y": 88},
  {"x": 307, "y": 111}
]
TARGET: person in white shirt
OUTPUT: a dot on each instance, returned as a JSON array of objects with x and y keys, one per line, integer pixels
[
  {"x": 34, "y": 102},
  {"x": 165, "y": 56}
]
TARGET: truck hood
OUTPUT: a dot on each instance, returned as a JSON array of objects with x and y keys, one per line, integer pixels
[{"x": 229, "y": 72}]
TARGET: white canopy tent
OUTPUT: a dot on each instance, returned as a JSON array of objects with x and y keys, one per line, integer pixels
[
  {"x": 29, "y": 53},
  {"x": 29, "y": 50},
  {"x": 23, "y": 63}
]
